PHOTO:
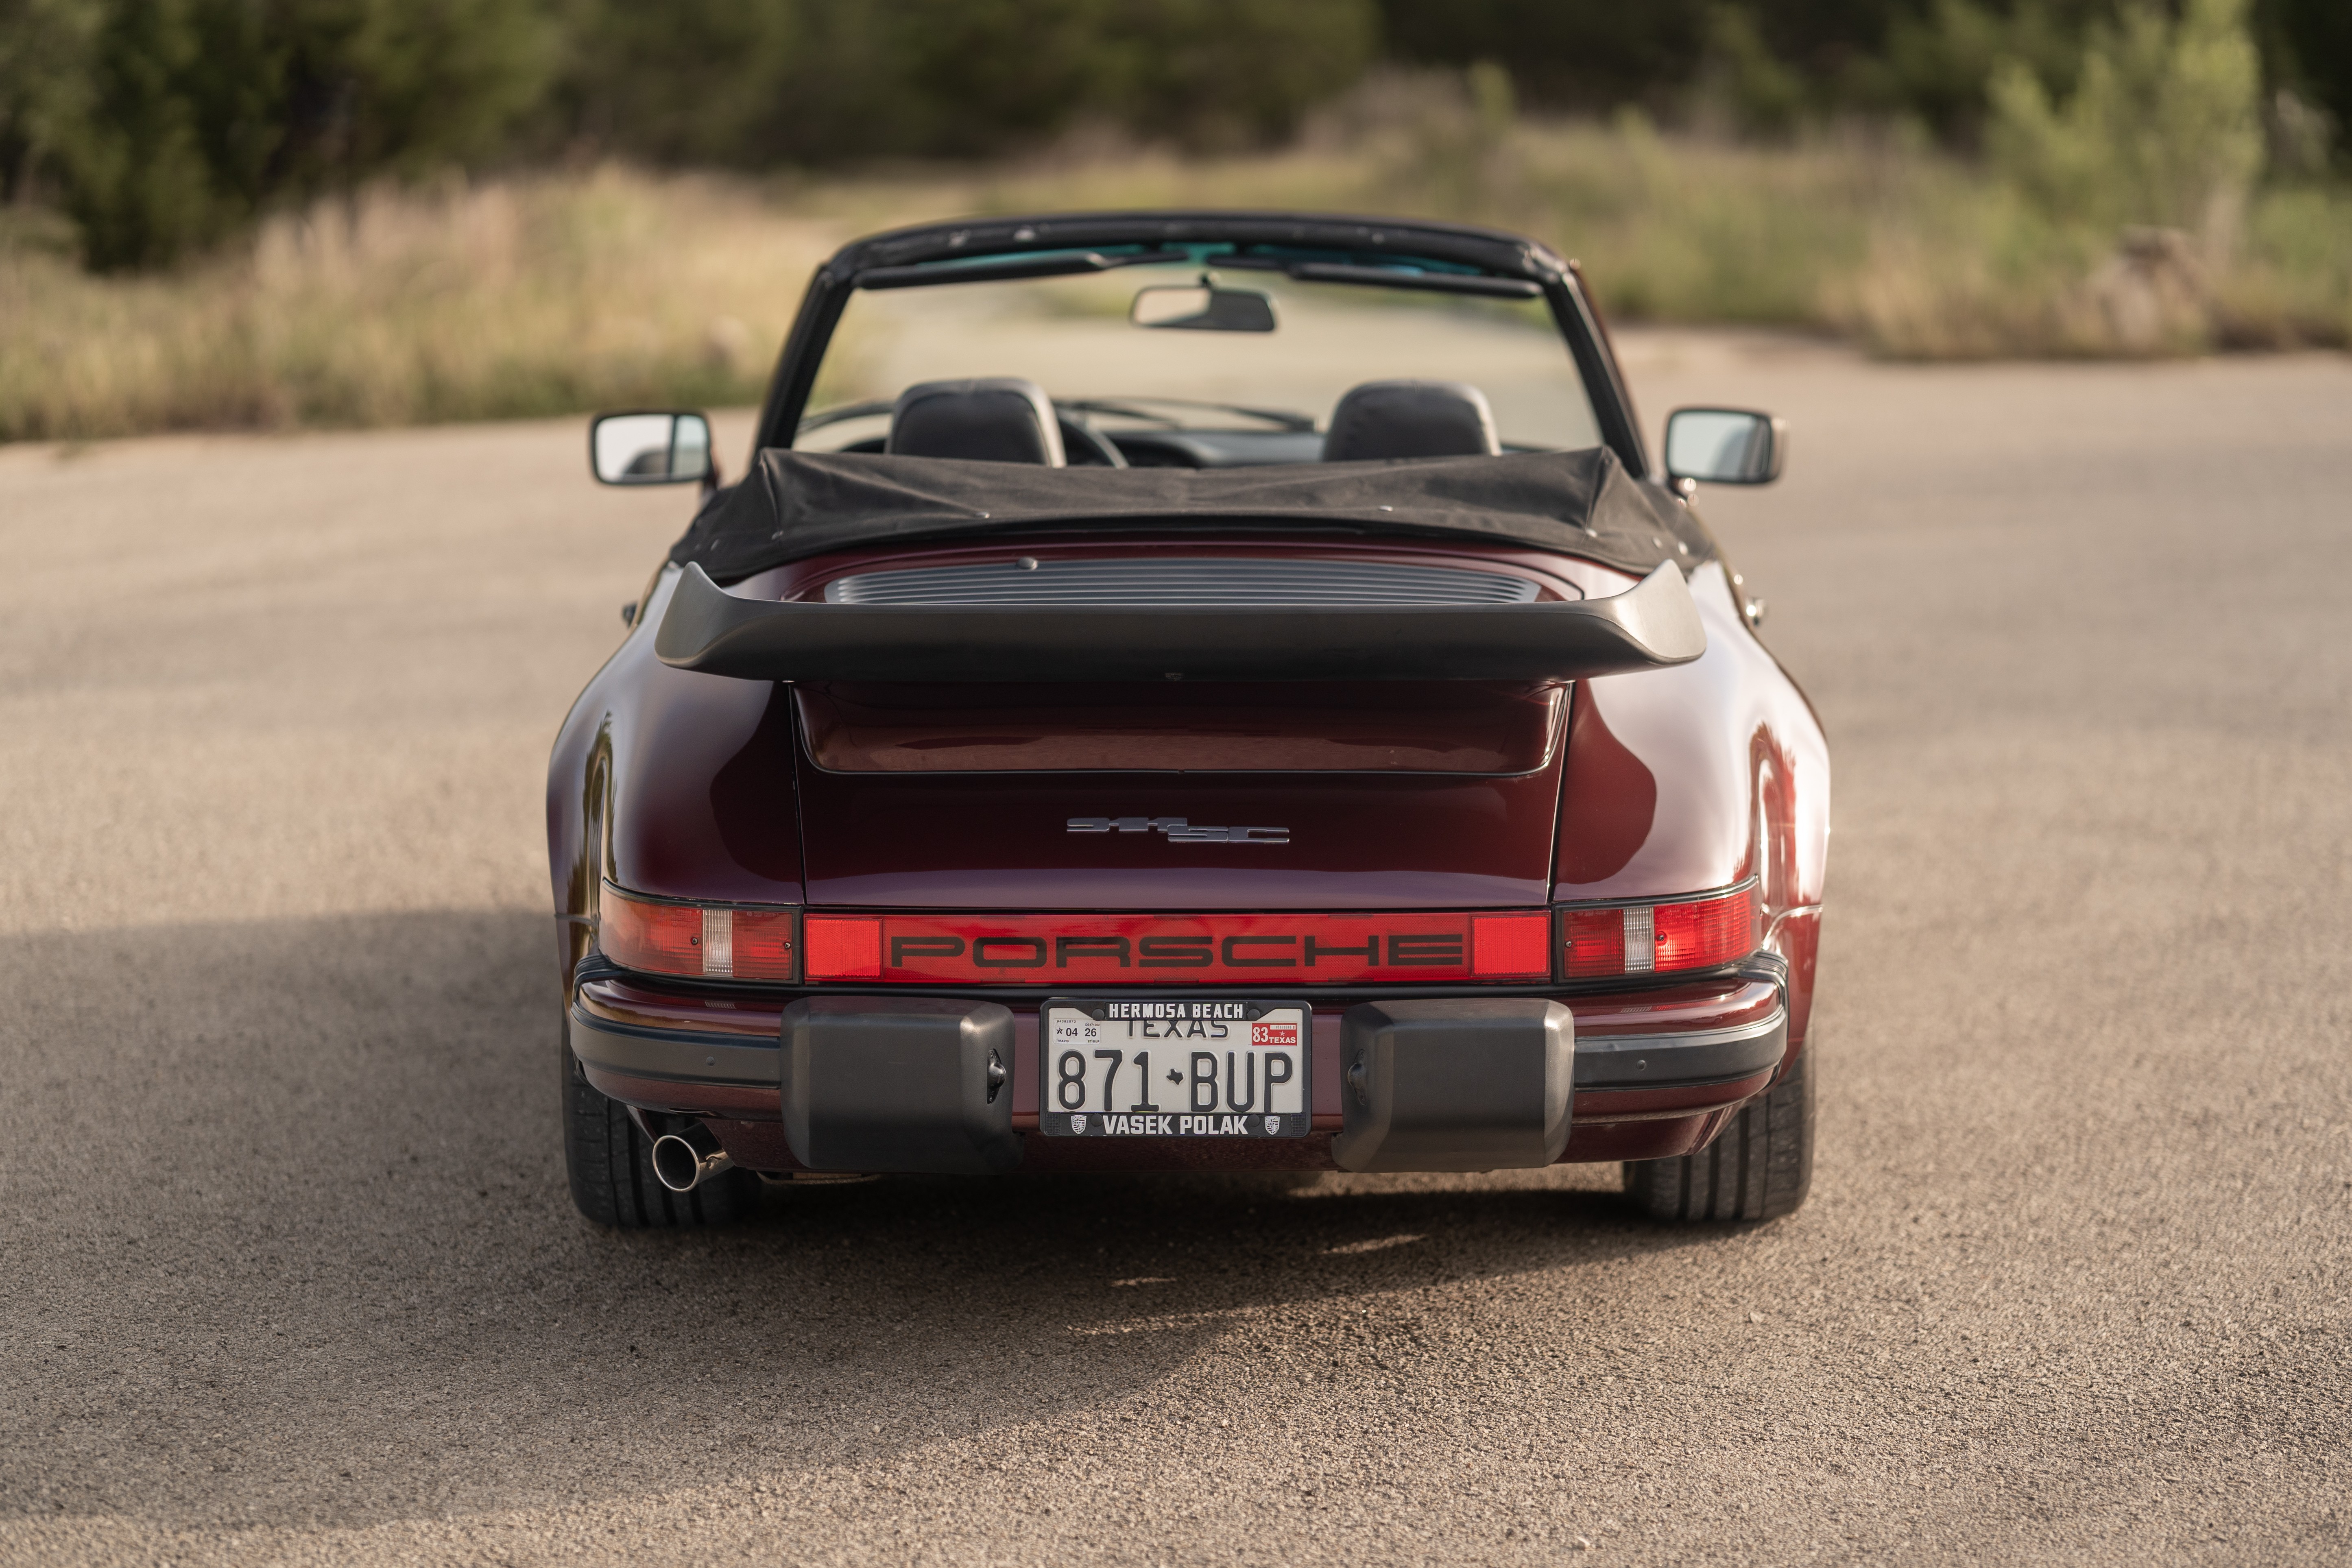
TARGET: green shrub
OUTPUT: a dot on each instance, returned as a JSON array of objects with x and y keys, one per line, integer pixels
[{"x": 2164, "y": 126}]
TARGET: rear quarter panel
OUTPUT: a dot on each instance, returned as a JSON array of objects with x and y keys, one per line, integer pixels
[
  {"x": 669, "y": 782},
  {"x": 1700, "y": 776}
]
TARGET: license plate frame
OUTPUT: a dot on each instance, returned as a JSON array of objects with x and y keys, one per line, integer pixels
[{"x": 1243, "y": 1040}]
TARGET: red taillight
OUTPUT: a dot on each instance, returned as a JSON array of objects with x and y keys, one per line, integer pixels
[
  {"x": 1510, "y": 947},
  {"x": 1643, "y": 939},
  {"x": 1594, "y": 940},
  {"x": 845, "y": 947},
  {"x": 1703, "y": 934},
  {"x": 663, "y": 938},
  {"x": 765, "y": 945},
  {"x": 709, "y": 942}
]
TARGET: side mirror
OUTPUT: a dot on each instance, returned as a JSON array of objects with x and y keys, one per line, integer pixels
[
  {"x": 1725, "y": 445},
  {"x": 1186, "y": 307},
  {"x": 650, "y": 450}
]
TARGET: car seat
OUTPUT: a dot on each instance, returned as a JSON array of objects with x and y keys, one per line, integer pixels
[
  {"x": 994, "y": 419},
  {"x": 1412, "y": 419}
]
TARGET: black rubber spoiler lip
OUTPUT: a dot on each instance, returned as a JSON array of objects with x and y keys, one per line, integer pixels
[{"x": 1651, "y": 625}]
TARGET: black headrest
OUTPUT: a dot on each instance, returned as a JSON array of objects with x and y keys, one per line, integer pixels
[
  {"x": 1412, "y": 419},
  {"x": 996, "y": 419}
]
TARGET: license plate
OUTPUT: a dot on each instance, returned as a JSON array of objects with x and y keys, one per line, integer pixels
[{"x": 1174, "y": 1068}]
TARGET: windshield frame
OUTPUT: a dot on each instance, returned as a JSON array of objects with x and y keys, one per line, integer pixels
[{"x": 1447, "y": 258}]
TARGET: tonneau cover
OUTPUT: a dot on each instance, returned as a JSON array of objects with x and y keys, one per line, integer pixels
[{"x": 794, "y": 505}]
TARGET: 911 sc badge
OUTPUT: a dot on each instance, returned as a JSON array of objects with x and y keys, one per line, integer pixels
[{"x": 1179, "y": 830}]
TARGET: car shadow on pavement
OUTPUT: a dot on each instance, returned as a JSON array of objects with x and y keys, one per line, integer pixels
[{"x": 295, "y": 1248}]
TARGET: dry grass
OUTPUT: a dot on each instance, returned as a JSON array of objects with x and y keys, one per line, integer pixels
[
  {"x": 534, "y": 297},
  {"x": 564, "y": 292}
]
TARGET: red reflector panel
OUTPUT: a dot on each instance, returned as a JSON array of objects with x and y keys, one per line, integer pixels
[
  {"x": 845, "y": 947},
  {"x": 1595, "y": 940},
  {"x": 1510, "y": 947},
  {"x": 1173, "y": 950},
  {"x": 661, "y": 938},
  {"x": 765, "y": 946},
  {"x": 1703, "y": 934}
]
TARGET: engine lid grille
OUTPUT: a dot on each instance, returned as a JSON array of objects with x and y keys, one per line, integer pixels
[{"x": 1163, "y": 581}]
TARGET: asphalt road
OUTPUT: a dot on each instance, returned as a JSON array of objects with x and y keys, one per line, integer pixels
[{"x": 291, "y": 1275}]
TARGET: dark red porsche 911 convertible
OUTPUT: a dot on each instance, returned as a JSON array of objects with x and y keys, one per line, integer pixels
[{"x": 1189, "y": 691}]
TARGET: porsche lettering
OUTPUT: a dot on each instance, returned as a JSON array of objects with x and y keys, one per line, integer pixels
[{"x": 1188, "y": 949}]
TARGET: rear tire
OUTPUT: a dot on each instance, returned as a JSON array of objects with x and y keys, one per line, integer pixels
[
  {"x": 1758, "y": 1168},
  {"x": 612, "y": 1167}
]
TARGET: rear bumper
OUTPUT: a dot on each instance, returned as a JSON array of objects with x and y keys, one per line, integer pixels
[
  {"x": 1655, "y": 1072},
  {"x": 615, "y": 1029},
  {"x": 1682, "y": 1056}
]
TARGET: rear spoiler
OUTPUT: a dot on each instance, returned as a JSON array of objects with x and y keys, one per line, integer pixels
[{"x": 1650, "y": 626}]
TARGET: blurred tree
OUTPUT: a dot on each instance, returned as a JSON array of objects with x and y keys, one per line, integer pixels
[
  {"x": 192, "y": 115},
  {"x": 166, "y": 125},
  {"x": 692, "y": 81},
  {"x": 2307, "y": 50},
  {"x": 1226, "y": 73},
  {"x": 1744, "y": 75},
  {"x": 132, "y": 160},
  {"x": 2164, "y": 126},
  {"x": 754, "y": 82},
  {"x": 1768, "y": 62},
  {"x": 45, "y": 47},
  {"x": 1938, "y": 62},
  {"x": 1929, "y": 60},
  {"x": 1584, "y": 56}
]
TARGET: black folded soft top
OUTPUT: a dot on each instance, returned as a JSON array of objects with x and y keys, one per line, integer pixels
[{"x": 794, "y": 505}]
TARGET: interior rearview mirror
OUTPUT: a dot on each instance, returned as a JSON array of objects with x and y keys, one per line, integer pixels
[
  {"x": 1725, "y": 445},
  {"x": 670, "y": 449},
  {"x": 1201, "y": 309}
]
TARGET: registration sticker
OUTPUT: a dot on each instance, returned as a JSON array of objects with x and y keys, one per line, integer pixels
[
  {"x": 1271, "y": 1032},
  {"x": 1174, "y": 1068}
]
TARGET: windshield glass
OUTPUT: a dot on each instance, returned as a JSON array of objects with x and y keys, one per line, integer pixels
[{"x": 1273, "y": 391}]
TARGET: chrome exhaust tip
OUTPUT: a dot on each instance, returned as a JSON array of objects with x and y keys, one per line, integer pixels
[{"x": 684, "y": 1160}]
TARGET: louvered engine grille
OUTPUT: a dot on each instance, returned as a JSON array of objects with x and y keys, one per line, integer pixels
[{"x": 1162, "y": 580}]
